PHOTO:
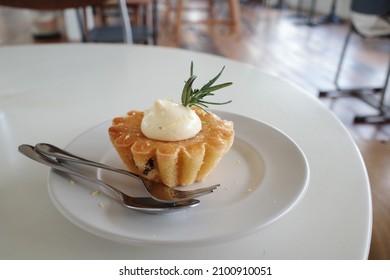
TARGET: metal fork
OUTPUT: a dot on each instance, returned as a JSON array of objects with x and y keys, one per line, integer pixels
[
  {"x": 143, "y": 204},
  {"x": 158, "y": 191}
]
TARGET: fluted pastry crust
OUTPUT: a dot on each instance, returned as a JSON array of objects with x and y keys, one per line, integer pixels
[{"x": 174, "y": 163}]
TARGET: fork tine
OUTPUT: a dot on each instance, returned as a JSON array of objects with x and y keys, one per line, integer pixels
[{"x": 197, "y": 192}]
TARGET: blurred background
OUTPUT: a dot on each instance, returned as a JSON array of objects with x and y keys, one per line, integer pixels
[{"x": 299, "y": 40}]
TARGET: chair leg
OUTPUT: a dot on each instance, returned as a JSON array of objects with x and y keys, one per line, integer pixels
[
  {"x": 384, "y": 110},
  {"x": 235, "y": 15},
  {"x": 179, "y": 14},
  {"x": 211, "y": 9},
  {"x": 81, "y": 23},
  {"x": 338, "y": 70},
  {"x": 368, "y": 95},
  {"x": 127, "y": 29},
  {"x": 340, "y": 64},
  {"x": 154, "y": 22}
]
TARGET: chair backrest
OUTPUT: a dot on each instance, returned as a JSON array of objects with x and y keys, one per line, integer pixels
[
  {"x": 49, "y": 4},
  {"x": 370, "y": 7},
  {"x": 66, "y": 4}
]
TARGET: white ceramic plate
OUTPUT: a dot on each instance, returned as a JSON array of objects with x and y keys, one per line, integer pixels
[{"x": 263, "y": 176}]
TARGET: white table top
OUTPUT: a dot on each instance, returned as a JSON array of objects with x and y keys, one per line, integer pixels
[{"x": 54, "y": 93}]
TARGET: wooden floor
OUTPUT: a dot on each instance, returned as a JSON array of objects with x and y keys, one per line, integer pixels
[{"x": 279, "y": 42}]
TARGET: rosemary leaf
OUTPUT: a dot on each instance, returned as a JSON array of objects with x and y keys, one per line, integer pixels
[{"x": 194, "y": 97}]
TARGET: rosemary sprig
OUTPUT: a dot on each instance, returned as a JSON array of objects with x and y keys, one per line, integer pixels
[{"x": 194, "y": 97}]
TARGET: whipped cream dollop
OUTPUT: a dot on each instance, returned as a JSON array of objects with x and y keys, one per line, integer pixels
[{"x": 170, "y": 121}]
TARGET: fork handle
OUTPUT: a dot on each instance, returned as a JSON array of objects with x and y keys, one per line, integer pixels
[
  {"x": 58, "y": 153},
  {"x": 30, "y": 152}
]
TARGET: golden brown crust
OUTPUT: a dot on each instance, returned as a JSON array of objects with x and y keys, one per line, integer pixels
[{"x": 175, "y": 163}]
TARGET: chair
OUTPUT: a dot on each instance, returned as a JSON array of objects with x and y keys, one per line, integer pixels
[
  {"x": 375, "y": 97},
  {"x": 234, "y": 19},
  {"x": 122, "y": 33},
  {"x": 144, "y": 19}
]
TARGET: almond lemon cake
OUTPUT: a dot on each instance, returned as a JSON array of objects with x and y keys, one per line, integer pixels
[{"x": 176, "y": 144}]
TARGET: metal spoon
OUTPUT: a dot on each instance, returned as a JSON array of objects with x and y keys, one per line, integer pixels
[{"x": 143, "y": 204}]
